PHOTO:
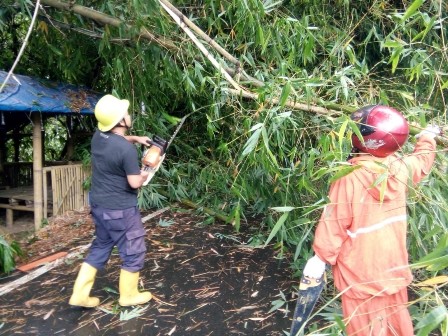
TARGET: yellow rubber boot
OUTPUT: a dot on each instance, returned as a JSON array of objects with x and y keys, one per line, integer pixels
[
  {"x": 129, "y": 294},
  {"x": 82, "y": 287}
]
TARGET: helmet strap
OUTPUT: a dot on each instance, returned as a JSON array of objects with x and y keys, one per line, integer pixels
[{"x": 124, "y": 125}]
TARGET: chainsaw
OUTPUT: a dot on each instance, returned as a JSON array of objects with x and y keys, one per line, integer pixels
[{"x": 155, "y": 154}]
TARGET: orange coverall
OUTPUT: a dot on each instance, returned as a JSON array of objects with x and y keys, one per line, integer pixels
[{"x": 362, "y": 234}]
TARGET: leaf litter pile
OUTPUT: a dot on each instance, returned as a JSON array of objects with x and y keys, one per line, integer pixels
[{"x": 206, "y": 280}]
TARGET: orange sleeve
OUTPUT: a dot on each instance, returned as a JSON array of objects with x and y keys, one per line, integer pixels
[
  {"x": 422, "y": 159},
  {"x": 337, "y": 216}
]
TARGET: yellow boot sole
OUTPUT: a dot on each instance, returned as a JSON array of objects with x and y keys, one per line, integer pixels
[{"x": 137, "y": 299}]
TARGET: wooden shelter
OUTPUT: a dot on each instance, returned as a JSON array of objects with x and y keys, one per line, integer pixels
[{"x": 23, "y": 101}]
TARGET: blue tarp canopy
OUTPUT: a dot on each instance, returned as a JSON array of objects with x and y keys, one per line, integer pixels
[{"x": 28, "y": 94}]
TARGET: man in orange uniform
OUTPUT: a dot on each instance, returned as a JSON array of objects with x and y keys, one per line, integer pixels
[{"x": 362, "y": 231}]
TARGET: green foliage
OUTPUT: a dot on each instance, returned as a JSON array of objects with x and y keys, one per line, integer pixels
[
  {"x": 127, "y": 315},
  {"x": 56, "y": 137},
  {"x": 437, "y": 259},
  {"x": 249, "y": 157},
  {"x": 165, "y": 223},
  {"x": 8, "y": 251}
]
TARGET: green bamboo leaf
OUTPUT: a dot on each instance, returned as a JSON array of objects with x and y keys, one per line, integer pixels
[
  {"x": 383, "y": 189},
  {"x": 391, "y": 44},
  {"x": 355, "y": 129},
  {"x": 424, "y": 33},
  {"x": 260, "y": 35},
  {"x": 395, "y": 58},
  {"x": 283, "y": 209},
  {"x": 252, "y": 142},
  {"x": 284, "y": 114},
  {"x": 341, "y": 133},
  {"x": 437, "y": 259},
  {"x": 343, "y": 171},
  {"x": 127, "y": 315},
  {"x": 305, "y": 235},
  {"x": 256, "y": 126},
  {"x": 276, "y": 305},
  {"x": 285, "y": 93},
  {"x": 268, "y": 6},
  {"x": 412, "y": 9},
  {"x": 308, "y": 53},
  {"x": 119, "y": 66},
  {"x": 266, "y": 145},
  {"x": 431, "y": 320},
  {"x": 236, "y": 219},
  {"x": 277, "y": 227},
  {"x": 445, "y": 85},
  {"x": 55, "y": 50}
]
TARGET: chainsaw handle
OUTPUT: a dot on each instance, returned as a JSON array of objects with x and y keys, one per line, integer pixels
[
  {"x": 151, "y": 156},
  {"x": 152, "y": 171}
]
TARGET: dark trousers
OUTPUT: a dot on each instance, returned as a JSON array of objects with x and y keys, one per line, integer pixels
[{"x": 121, "y": 228}]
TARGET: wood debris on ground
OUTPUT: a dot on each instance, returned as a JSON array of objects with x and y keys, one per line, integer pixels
[{"x": 204, "y": 282}]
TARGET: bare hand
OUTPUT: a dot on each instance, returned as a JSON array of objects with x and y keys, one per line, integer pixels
[
  {"x": 143, "y": 140},
  {"x": 144, "y": 174}
]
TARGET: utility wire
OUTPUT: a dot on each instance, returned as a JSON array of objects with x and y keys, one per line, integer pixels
[{"x": 22, "y": 49}]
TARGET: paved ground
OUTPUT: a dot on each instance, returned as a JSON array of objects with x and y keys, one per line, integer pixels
[{"x": 207, "y": 281}]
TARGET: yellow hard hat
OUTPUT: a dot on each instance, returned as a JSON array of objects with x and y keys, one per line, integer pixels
[{"x": 109, "y": 111}]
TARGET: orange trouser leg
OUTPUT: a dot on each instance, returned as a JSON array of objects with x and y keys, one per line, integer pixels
[{"x": 378, "y": 315}]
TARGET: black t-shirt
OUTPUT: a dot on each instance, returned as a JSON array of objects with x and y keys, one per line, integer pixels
[{"x": 113, "y": 158}]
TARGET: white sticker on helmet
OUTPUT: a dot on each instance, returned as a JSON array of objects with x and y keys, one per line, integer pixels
[{"x": 374, "y": 144}]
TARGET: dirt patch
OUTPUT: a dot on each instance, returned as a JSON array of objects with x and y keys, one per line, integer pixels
[{"x": 207, "y": 281}]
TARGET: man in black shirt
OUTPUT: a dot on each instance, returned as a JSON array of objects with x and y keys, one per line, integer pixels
[{"x": 116, "y": 177}]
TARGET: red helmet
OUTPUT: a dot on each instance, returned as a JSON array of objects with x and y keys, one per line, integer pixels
[{"x": 383, "y": 129}]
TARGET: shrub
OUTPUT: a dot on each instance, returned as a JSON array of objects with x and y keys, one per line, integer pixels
[{"x": 8, "y": 251}]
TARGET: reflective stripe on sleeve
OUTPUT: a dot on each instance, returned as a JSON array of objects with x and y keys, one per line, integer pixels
[{"x": 377, "y": 226}]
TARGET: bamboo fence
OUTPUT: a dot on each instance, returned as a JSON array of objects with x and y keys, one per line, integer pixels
[{"x": 66, "y": 187}]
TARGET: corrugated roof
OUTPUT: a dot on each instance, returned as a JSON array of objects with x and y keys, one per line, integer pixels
[{"x": 28, "y": 94}]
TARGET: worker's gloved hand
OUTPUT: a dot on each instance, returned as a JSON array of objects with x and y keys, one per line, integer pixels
[
  {"x": 430, "y": 130},
  {"x": 314, "y": 268}
]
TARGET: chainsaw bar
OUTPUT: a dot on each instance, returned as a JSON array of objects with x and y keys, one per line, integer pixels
[{"x": 179, "y": 125}]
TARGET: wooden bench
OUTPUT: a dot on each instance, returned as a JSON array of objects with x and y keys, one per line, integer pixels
[
  {"x": 64, "y": 192},
  {"x": 19, "y": 199}
]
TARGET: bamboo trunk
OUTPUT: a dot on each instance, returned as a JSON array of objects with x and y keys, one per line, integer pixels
[
  {"x": 290, "y": 104},
  {"x": 37, "y": 170},
  {"x": 108, "y": 20},
  {"x": 201, "y": 47}
]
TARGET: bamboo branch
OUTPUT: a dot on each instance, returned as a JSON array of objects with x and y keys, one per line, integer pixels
[
  {"x": 181, "y": 21},
  {"x": 108, "y": 20},
  {"x": 290, "y": 104},
  {"x": 238, "y": 71},
  {"x": 201, "y": 47},
  {"x": 61, "y": 25},
  {"x": 201, "y": 34}
]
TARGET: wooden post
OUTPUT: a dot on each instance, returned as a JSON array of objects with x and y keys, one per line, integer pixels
[
  {"x": 16, "y": 142},
  {"x": 37, "y": 170},
  {"x": 70, "y": 135},
  {"x": 3, "y": 153},
  {"x": 9, "y": 218}
]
